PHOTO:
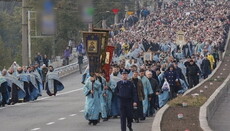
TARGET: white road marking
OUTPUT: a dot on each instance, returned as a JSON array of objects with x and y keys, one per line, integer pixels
[
  {"x": 19, "y": 104},
  {"x": 35, "y": 129},
  {"x": 73, "y": 115},
  {"x": 64, "y": 93},
  {"x": 68, "y": 92},
  {"x": 50, "y": 123},
  {"x": 60, "y": 119},
  {"x": 42, "y": 98},
  {"x": 82, "y": 111}
]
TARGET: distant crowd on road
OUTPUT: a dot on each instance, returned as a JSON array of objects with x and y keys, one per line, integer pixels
[{"x": 149, "y": 67}]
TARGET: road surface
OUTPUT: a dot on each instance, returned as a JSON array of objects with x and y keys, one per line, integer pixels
[
  {"x": 221, "y": 119},
  {"x": 61, "y": 113}
]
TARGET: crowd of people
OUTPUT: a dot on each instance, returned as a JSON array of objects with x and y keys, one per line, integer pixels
[
  {"x": 139, "y": 86},
  {"x": 24, "y": 84}
]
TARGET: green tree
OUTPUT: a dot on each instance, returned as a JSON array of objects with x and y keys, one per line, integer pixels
[{"x": 10, "y": 33}]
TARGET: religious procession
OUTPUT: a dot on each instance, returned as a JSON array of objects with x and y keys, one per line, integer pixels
[
  {"x": 135, "y": 70},
  {"x": 24, "y": 84}
]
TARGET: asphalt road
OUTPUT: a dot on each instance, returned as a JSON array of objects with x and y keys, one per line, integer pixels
[
  {"x": 61, "y": 113},
  {"x": 221, "y": 118}
]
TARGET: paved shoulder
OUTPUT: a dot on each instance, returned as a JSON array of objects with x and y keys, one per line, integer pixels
[{"x": 221, "y": 118}]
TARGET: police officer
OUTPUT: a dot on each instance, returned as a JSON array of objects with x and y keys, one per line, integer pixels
[{"x": 127, "y": 94}]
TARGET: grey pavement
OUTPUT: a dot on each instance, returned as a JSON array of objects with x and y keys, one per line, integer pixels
[
  {"x": 221, "y": 118},
  {"x": 61, "y": 113}
]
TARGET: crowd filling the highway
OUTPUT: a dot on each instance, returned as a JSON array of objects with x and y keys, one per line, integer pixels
[{"x": 150, "y": 68}]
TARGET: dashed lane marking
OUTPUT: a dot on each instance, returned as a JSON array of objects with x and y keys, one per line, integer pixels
[
  {"x": 82, "y": 111},
  {"x": 73, "y": 115},
  {"x": 50, "y": 123},
  {"x": 60, "y": 119},
  {"x": 35, "y": 129}
]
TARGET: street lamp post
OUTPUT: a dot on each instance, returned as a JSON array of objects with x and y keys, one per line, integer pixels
[
  {"x": 25, "y": 59},
  {"x": 115, "y": 11}
]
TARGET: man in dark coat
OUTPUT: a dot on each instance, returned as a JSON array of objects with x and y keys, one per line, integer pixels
[
  {"x": 172, "y": 77},
  {"x": 80, "y": 62},
  {"x": 127, "y": 94},
  {"x": 216, "y": 58},
  {"x": 38, "y": 59},
  {"x": 154, "y": 75},
  {"x": 193, "y": 73},
  {"x": 205, "y": 67},
  {"x": 46, "y": 60},
  {"x": 179, "y": 72},
  {"x": 138, "y": 113}
]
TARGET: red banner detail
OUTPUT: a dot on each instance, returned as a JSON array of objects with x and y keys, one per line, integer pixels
[
  {"x": 108, "y": 59},
  {"x": 115, "y": 11}
]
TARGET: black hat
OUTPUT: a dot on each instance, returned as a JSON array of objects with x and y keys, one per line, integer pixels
[{"x": 124, "y": 72}]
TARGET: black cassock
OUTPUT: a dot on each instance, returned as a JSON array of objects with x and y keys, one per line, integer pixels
[{"x": 138, "y": 112}]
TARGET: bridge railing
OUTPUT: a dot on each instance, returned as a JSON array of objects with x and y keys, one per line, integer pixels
[{"x": 71, "y": 68}]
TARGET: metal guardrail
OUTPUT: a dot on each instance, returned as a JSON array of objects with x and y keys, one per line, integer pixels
[{"x": 71, "y": 68}]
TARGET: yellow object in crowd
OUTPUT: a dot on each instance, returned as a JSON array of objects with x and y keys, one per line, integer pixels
[
  {"x": 212, "y": 60},
  {"x": 126, "y": 48}
]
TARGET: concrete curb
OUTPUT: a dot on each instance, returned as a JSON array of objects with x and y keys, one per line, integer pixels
[
  {"x": 157, "y": 120},
  {"x": 213, "y": 72},
  {"x": 209, "y": 107},
  {"x": 202, "y": 82},
  {"x": 156, "y": 126}
]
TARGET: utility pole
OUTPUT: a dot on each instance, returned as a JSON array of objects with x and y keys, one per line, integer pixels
[
  {"x": 103, "y": 23},
  {"x": 90, "y": 27},
  {"x": 25, "y": 60}
]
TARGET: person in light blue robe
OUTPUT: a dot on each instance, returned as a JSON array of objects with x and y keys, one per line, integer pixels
[
  {"x": 198, "y": 48},
  {"x": 184, "y": 87},
  {"x": 147, "y": 91},
  {"x": 191, "y": 48},
  {"x": 38, "y": 81},
  {"x": 165, "y": 47},
  {"x": 163, "y": 98},
  {"x": 183, "y": 68},
  {"x": 114, "y": 78},
  {"x": 108, "y": 98},
  {"x": 16, "y": 87},
  {"x": 53, "y": 83},
  {"x": 34, "y": 91},
  {"x": 105, "y": 98},
  {"x": 92, "y": 89},
  {"x": 24, "y": 78},
  {"x": 179, "y": 55},
  {"x": 85, "y": 75},
  {"x": 156, "y": 58},
  {"x": 4, "y": 92},
  {"x": 161, "y": 78}
]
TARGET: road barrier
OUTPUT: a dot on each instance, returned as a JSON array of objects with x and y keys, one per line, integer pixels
[
  {"x": 71, "y": 68},
  {"x": 207, "y": 110}
]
